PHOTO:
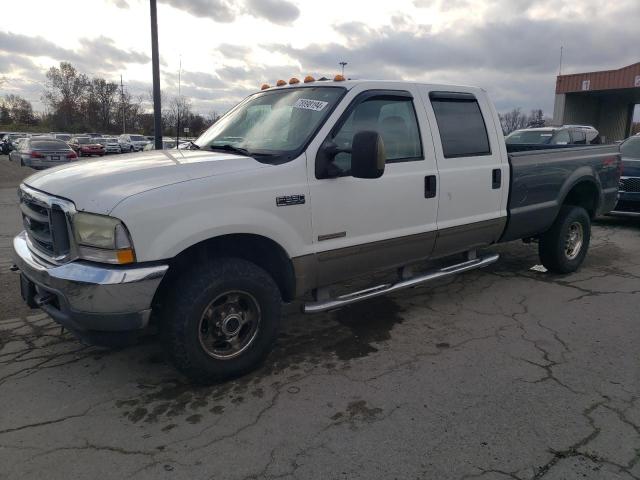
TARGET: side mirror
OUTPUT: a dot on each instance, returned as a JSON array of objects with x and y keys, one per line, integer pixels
[{"x": 367, "y": 155}]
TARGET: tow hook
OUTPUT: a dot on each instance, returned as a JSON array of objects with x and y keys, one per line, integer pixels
[
  {"x": 14, "y": 268},
  {"x": 40, "y": 301}
]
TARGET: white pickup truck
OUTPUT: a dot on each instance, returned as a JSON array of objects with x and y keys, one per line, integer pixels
[{"x": 297, "y": 188}]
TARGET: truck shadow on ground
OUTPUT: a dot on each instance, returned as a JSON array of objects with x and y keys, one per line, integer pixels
[{"x": 326, "y": 341}]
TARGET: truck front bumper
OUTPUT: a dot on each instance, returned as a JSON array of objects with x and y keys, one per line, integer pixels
[{"x": 87, "y": 298}]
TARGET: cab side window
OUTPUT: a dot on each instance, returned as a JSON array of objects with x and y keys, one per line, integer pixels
[{"x": 394, "y": 118}]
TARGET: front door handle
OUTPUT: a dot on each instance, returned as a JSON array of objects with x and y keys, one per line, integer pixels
[
  {"x": 496, "y": 178},
  {"x": 430, "y": 186}
]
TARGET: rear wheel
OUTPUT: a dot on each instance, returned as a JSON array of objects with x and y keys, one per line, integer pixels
[
  {"x": 564, "y": 246},
  {"x": 131, "y": 148},
  {"x": 222, "y": 320}
]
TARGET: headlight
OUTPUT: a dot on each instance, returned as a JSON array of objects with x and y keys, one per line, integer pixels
[{"x": 102, "y": 239}]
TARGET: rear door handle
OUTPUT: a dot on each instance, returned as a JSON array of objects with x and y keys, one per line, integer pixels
[
  {"x": 496, "y": 178},
  {"x": 430, "y": 186}
]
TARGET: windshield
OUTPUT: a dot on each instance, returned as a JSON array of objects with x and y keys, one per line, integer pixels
[
  {"x": 85, "y": 140},
  {"x": 529, "y": 136},
  {"x": 63, "y": 137},
  {"x": 273, "y": 123},
  {"x": 631, "y": 148}
]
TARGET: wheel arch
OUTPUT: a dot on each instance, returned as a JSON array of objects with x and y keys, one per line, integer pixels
[
  {"x": 584, "y": 192},
  {"x": 258, "y": 249}
]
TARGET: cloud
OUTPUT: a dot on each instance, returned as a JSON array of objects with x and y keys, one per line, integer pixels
[
  {"x": 100, "y": 53},
  {"x": 120, "y": 3},
  {"x": 33, "y": 46},
  {"x": 521, "y": 52},
  {"x": 280, "y": 12},
  {"x": 217, "y": 10}
]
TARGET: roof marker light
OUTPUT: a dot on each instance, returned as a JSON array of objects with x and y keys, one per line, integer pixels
[
  {"x": 338, "y": 78},
  {"x": 293, "y": 81},
  {"x": 265, "y": 86},
  {"x": 309, "y": 79},
  {"x": 280, "y": 83}
]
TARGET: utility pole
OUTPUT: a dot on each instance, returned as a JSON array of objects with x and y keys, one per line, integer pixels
[
  {"x": 178, "y": 104},
  {"x": 124, "y": 129},
  {"x": 155, "y": 63},
  {"x": 343, "y": 65}
]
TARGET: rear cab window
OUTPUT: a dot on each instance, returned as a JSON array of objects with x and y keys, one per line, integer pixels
[{"x": 463, "y": 132}]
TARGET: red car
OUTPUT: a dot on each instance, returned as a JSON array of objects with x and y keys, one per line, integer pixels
[{"x": 86, "y": 146}]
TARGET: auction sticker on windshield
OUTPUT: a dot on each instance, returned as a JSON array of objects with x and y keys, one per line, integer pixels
[{"x": 307, "y": 104}]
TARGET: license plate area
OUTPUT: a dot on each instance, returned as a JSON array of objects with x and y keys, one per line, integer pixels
[{"x": 55, "y": 158}]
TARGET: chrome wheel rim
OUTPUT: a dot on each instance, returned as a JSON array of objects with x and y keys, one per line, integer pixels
[
  {"x": 229, "y": 324},
  {"x": 574, "y": 241}
]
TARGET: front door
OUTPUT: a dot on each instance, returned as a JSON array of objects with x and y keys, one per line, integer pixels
[{"x": 360, "y": 225}]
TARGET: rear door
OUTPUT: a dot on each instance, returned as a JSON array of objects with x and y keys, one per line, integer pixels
[
  {"x": 360, "y": 225},
  {"x": 472, "y": 167}
]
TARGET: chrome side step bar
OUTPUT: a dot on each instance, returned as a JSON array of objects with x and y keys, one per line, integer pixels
[{"x": 343, "y": 300}]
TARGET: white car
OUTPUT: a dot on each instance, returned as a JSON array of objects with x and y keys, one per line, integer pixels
[
  {"x": 111, "y": 144},
  {"x": 132, "y": 143},
  {"x": 297, "y": 189}
]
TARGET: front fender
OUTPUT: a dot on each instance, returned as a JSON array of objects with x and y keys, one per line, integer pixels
[{"x": 166, "y": 221}]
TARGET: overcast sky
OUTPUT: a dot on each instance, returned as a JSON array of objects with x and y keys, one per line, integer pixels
[{"x": 228, "y": 48}]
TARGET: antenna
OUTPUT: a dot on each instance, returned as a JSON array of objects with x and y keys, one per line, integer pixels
[
  {"x": 343, "y": 65},
  {"x": 560, "y": 67}
]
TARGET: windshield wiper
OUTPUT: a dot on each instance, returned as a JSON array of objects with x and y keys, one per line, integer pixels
[
  {"x": 192, "y": 145},
  {"x": 231, "y": 148}
]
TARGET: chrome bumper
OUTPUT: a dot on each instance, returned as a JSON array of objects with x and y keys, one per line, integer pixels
[{"x": 83, "y": 296}]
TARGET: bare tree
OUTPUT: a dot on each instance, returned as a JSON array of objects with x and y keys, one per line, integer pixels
[
  {"x": 513, "y": 120},
  {"x": 64, "y": 93},
  {"x": 19, "y": 110}
]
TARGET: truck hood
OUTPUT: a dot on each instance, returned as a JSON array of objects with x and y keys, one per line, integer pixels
[{"x": 99, "y": 185}]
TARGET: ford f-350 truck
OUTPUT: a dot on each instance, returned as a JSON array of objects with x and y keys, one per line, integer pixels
[{"x": 296, "y": 189}]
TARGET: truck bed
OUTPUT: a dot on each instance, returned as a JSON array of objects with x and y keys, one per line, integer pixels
[{"x": 541, "y": 179}]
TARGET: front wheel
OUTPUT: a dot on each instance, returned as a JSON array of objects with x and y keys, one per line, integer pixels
[
  {"x": 223, "y": 319},
  {"x": 563, "y": 247}
]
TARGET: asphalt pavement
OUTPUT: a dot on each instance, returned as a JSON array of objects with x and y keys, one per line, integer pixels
[{"x": 502, "y": 373}]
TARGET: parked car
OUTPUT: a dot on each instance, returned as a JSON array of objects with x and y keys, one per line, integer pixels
[
  {"x": 132, "y": 143},
  {"x": 167, "y": 143},
  {"x": 110, "y": 144},
  {"x": 565, "y": 135},
  {"x": 65, "y": 137},
  {"x": 86, "y": 146},
  {"x": 10, "y": 140},
  {"x": 42, "y": 152},
  {"x": 341, "y": 180},
  {"x": 629, "y": 201}
]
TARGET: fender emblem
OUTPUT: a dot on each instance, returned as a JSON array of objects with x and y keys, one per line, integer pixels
[{"x": 290, "y": 200}]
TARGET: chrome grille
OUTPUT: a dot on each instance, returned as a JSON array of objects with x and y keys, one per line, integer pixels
[
  {"x": 45, "y": 220},
  {"x": 630, "y": 184}
]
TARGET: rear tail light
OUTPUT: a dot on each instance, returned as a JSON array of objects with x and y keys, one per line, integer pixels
[
  {"x": 72, "y": 155},
  {"x": 36, "y": 155}
]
